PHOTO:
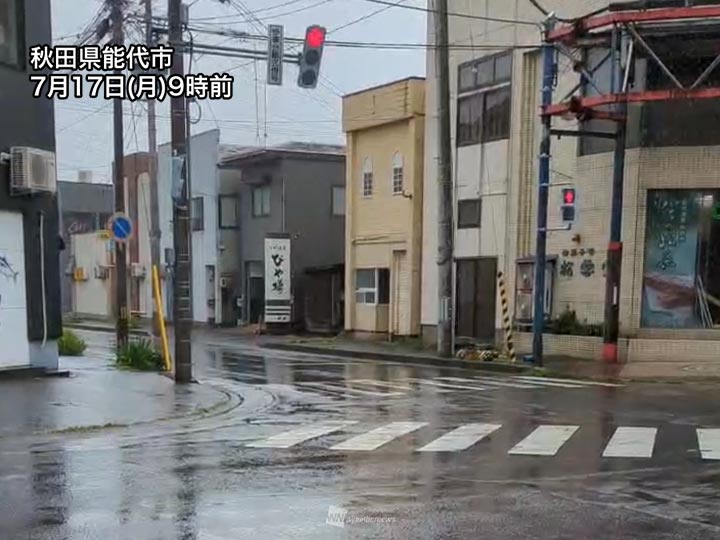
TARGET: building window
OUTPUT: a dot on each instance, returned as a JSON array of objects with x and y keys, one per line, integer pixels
[
  {"x": 397, "y": 174},
  {"x": 681, "y": 280},
  {"x": 484, "y": 114},
  {"x": 197, "y": 214},
  {"x": 261, "y": 201},
  {"x": 367, "y": 178},
  {"x": 469, "y": 213},
  {"x": 11, "y": 34},
  {"x": 372, "y": 286},
  {"x": 487, "y": 71},
  {"x": 338, "y": 200},
  {"x": 229, "y": 218}
]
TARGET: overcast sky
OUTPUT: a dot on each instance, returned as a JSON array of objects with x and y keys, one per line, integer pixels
[{"x": 84, "y": 133}]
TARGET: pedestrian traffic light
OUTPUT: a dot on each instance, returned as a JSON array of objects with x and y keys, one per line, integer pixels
[
  {"x": 311, "y": 56},
  {"x": 568, "y": 205}
]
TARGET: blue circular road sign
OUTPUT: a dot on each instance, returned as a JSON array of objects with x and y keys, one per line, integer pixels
[{"x": 121, "y": 227}]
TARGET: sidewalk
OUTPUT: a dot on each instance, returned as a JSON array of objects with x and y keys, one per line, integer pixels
[
  {"x": 97, "y": 395},
  {"x": 555, "y": 366}
]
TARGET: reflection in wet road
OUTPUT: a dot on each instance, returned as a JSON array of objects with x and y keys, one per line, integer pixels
[{"x": 380, "y": 450}]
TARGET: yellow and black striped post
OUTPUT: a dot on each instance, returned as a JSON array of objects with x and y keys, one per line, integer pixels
[{"x": 507, "y": 321}]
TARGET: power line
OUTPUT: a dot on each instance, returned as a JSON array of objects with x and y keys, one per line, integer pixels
[
  {"x": 454, "y": 14},
  {"x": 366, "y": 17}
]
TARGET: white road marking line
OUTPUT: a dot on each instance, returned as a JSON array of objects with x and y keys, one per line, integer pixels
[
  {"x": 299, "y": 435},
  {"x": 376, "y": 438},
  {"x": 341, "y": 388},
  {"x": 461, "y": 438},
  {"x": 447, "y": 385},
  {"x": 383, "y": 384},
  {"x": 544, "y": 441},
  {"x": 552, "y": 384},
  {"x": 709, "y": 443},
  {"x": 570, "y": 381},
  {"x": 631, "y": 442},
  {"x": 490, "y": 382}
]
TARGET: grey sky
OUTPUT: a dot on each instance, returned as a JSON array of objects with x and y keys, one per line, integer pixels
[{"x": 84, "y": 140}]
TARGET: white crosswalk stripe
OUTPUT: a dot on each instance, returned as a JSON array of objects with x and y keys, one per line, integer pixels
[
  {"x": 461, "y": 438},
  {"x": 631, "y": 442},
  {"x": 490, "y": 382},
  {"x": 382, "y": 384},
  {"x": 576, "y": 382},
  {"x": 297, "y": 436},
  {"x": 376, "y": 438},
  {"x": 709, "y": 443},
  {"x": 544, "y": 441},
  {"x": 447, "y": 385},
  {"x": 552, "y": 384},
  {"x": 341, "y": 388}
]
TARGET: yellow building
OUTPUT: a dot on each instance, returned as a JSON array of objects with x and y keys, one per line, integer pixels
[{"x": 383, "y": 230}]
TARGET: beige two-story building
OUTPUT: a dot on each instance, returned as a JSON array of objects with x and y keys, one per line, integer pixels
[{"x": 383, "y": 230}]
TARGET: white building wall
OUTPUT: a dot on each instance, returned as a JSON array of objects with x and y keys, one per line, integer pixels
[
  {"x": 13, "y": 300},
  {"x": 204, "y": 149}
]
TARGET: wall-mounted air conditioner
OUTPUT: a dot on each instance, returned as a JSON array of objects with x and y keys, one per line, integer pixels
[{"x": 32, "y": 171}]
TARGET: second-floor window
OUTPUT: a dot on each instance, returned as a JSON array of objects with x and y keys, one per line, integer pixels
[
  {"x": 197, "y": 214},
  {"x": 228, "y": 211},
  {"x": 261, "y": 201},
  {"x": 484, "y": 103},
  {"x": 11, "y": 35},
  {"x": 338, "y": 200},
  {"x": 367, "y": 178},
  {"x": 397, "y": 174},
  {"x": 469, "y": 213}
]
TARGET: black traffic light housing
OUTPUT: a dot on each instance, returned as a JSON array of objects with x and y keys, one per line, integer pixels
[
  {"x": 568, "y": 205},
  {"x": 311, "y": 56}
]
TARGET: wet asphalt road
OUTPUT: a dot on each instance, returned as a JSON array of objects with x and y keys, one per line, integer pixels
[{"x": 315, "y": 439}]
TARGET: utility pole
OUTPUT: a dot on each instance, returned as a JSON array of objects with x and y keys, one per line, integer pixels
[
  {"x": 445, "y": 187},
  {"x": 182, "y": 316},
  {"x": 614, "y": 255},
  {"x": 152, "y": 152},
  {"x": 116, "y": 17},
  {"x": 548, "y": 81}
]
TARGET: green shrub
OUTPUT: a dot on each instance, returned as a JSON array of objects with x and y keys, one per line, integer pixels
[
  {"x": 70, "y": 344},
  {"x": 568, "y": 324},
  {"x": 140, "y": 355}
]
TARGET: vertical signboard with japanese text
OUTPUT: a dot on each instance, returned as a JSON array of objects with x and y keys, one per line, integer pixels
[
  {"x": 276, "y": 50},
  {"x": 278, "y": 293}
]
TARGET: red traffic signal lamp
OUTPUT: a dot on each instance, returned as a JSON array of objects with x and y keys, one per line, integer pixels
[
  {"x": 568, "y": 205},
  {"x": 311, "y": 56}
]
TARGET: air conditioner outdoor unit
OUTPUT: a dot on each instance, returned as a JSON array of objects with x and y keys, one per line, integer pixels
[{"x": 32, "y": 171}]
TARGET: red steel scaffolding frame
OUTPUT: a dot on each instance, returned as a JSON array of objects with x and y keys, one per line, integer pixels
[{"x": 622, "y": 30}]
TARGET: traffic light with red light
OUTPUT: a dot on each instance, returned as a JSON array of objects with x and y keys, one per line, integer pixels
[
  {"x": 311, "y": 56},
  {"x": 568, "y": 205}
]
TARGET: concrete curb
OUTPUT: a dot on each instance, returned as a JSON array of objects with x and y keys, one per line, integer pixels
[
  {"x": 107, "y": 329},
  {"x": 401, "y": 358}
]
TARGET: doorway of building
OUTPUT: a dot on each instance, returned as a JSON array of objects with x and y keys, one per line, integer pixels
[
  {"x": 255, "y": 287},
  {"x": 401, "y": 294},
  {"x": 476, "y": 290}
]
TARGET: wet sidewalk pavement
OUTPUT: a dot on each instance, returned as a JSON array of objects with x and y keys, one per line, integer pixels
[
  {"x": 555, "y": 366},
  {"x": 97, "y": 395}
]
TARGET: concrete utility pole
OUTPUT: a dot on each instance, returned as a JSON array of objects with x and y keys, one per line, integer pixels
[
  {"x": 116, "y": 18},
  {"x": 615, "y": 246},
  {"x": 182, "y": 317},
  {"x": 445, "y": 187},
  {"x": 548, "y": 82},
  {"x": 152, "y": 151}
]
